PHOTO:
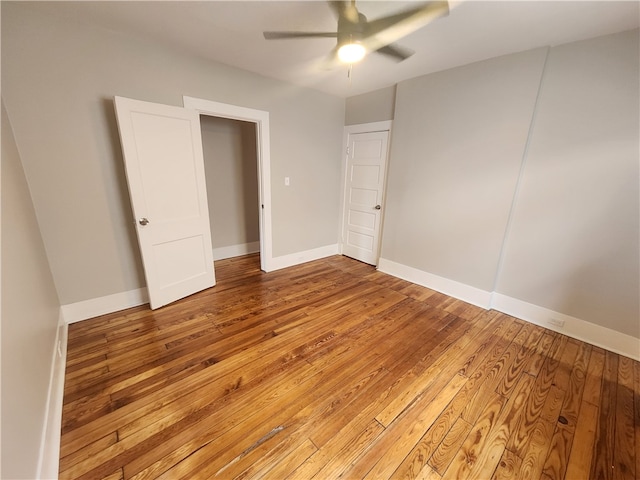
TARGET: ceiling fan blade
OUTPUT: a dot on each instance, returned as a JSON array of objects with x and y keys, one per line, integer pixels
[
  {"x": 386, "y": 30},
  {"x": 331, "y": 61},
  {"x": 284, "y": 35},
  {"x": 396, "y": 52}
]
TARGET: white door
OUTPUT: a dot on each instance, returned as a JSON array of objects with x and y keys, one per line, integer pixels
[
  {"x": 162, "y": 149},
  {"x": 365, "y": 174}
]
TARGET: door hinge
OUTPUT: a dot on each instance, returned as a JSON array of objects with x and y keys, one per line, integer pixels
[{"x": 348, "y": 151}]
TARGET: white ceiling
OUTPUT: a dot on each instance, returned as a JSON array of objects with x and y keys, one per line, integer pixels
[{"x": 230, "y": 32}]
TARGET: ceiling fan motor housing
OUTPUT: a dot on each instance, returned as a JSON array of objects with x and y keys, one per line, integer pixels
[{"x": 351, "y": 32}]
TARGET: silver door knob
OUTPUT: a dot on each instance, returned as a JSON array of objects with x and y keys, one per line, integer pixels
[
  {"x": 143, "y": 221},
  {"x": 377, "y": 207}
]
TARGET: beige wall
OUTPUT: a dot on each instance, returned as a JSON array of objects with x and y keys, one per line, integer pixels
[
  {"x": 30, "y": 311},
  {"x": 573, "y": 245},
  {"x": 457, "y": 144},
  {"x": 231, "y": 169},
  {"x": 376, "y": 106},
  {"x": 59, "y": 78},
  {"x": 532, "y": 196}
]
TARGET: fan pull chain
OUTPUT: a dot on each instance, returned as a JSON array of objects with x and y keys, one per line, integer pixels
[{"x": 349, "y": 72}]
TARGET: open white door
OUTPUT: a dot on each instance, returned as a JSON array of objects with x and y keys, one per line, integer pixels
[
  {"x": 365, "y": 172},
  {"x": 162, "y": 149}
]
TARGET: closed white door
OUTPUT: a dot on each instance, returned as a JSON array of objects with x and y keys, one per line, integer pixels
[
  {"x": 162, "y": 149},
  {"x": 365, "y": 175}
]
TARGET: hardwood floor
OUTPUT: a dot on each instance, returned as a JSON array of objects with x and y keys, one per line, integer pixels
[{"x": 334, "y": 370}]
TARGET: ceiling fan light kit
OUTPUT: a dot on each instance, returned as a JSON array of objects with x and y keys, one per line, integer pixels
[
  {"x": 351, "y": 53},
  {"x": 357, "y": 36}
]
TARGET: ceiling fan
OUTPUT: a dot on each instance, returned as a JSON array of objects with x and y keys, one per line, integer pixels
[{"x": 356, "y": 35}]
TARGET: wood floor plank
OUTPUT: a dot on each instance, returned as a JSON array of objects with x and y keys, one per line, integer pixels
[
  {"x": 534, "y": 452},
  {"x": 575, "y": 387},
  {"x": 202, "y": 379},
  {"x": 465, "y": 459},
  {"x": 528, "y": 339},
  {"x": 486, "y": 341},
  {"x": 416, "y": 460},
  {"x": 139, "y": 445},
  {"x": 555, "y": 465},
  {"x": 401, "y": 436},
  {"x": 538, "y": 357},
  {"x": 173, "y": 382},
  {"x": 636, "y": 411},
  {"x": 625, "y": 448},
  {"x": 449, "y": 446},
  {"x": 508, "y": 467},
  {"x": 603, "y": 449},
  {"x": 565, "y": 419},
  {"x": 350, "y": 442},
  {"x": 333, "y": 416},
  {"x": 332, "y": 369},
  {"x": 117, "y": 475},
  {"x": 567, "y": 360},
  {"x": 498, "y": 370},
  {"x": 537, "y": 400},
  {"x": 263, "y": 456},
  {"x": 106, "y": 322},
  {"x": 397, "y": 377},
  {"x": 427, "y": 473},
  {"x": 487, "y": 459},
  {"x": 88, "y": 451},
  {"x": 583, "y": 440},
  {"x": 447, "y": 362},
  {"x": 205, "y": 455},
  {"x": 342, "y": 458},
  {"x": 289, "y": 463},
  {"x": 593, "y": 381},
  {"x": 398, "y": 374},
  {"x": 362, "y": 360},
  {"x": 552, "y": 405}
]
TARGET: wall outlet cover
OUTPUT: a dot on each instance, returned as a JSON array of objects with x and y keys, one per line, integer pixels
[{"x": 556, "y": 322}]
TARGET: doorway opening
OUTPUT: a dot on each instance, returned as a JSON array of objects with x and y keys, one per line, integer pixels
[
  {"x": 230, "y": 165},
  {"x": 259, "y": 120}
]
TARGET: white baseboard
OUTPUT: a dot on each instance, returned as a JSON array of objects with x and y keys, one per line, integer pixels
[
  {"x": 285, "y": 261},
  {"x": 231, "y": 251},
  {"x": 49, "y": 458},
  {"x": 75, "y": 312},
  {"x": 579, "y": 329},
  {"x": 461, "y": 291}
]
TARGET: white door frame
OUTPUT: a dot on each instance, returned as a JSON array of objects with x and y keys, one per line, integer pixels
[
  {"x": 361, "y": 128},
  {"x": 261, "y": 119}
]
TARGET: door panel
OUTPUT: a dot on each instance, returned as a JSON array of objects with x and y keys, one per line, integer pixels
[
  {"x": 362, "y": 219},
  {"x": 366, "y": 169},
  {"x": 162, "y": 149},
  {"x": 161, "y": 159},
  {"x": 363, "y": 196}
]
